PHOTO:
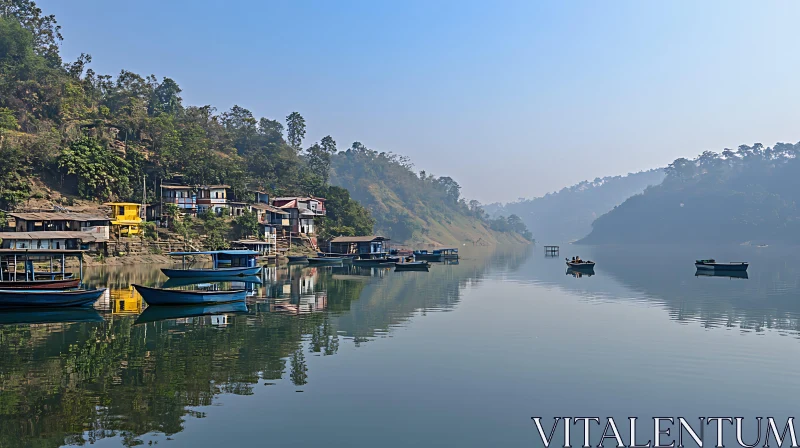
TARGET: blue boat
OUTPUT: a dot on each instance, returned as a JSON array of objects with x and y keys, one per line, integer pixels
[
  {"x": 178, "y": 282},
  {"x": 225, "y": 263},
  {"x": 167, "y": 312},
  {"x": 49, "y": 316},
  {"x": 162, "y": 296},
  {"x": 328, "y": 261},
  {"x": 48, "y": 298}
]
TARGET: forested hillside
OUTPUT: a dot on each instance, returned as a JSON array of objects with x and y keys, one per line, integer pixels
[
  {"x": 67, "y": 130},
  {"x": 567, "y": 214},
  {"x": 417, "y": 207},
  {"x": 748, "y": 194}
]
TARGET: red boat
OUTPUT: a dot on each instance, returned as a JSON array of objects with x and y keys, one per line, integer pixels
[{"x": 41, "y": 284}]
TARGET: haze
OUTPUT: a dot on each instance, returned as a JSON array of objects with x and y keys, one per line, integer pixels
[{"x": 511, "y": 99}]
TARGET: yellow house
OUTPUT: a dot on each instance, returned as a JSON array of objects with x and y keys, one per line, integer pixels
[{"x": 126, "y": 217}]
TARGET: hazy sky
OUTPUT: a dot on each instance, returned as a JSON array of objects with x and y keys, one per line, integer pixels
[{"x": 512, "y": 99}]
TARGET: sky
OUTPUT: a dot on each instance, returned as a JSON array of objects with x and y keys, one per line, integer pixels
[{"x": 511, "y": 99}]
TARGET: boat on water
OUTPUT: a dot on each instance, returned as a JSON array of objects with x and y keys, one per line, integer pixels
[
  {"x": 49, "y": 316},
  {"x": 580, "y": 264},
  {"x": 225, "y": 263},
  {"x": 41, "y": 284},
  {"x": 412, "y": 266},
  {"x": 164, "y": 296},
  {"x": 329, "y": 261},
  {"x": 167, "y": 312},
  {"x": 424, "y": 255},
  {"x": 179, "y": 282},
  {"x": 298, "y": 258},
  {"x": 44, "y": 298},
  {"x": 712, "y": 264},
  {"x": 448, "y": 253}
]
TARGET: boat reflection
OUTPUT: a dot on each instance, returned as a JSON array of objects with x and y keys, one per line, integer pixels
[
  {"x": 170, "y": 312},
  {"x": 720, "y": 273},
  {"x": 51, "y": 316},
  {"x": 583, "y": 272}
]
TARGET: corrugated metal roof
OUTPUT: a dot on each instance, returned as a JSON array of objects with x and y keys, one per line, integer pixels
[
  {"x": 358, "y": 239},
  {"x": 270, "y": 208},
  {"x": 54, "y": 216},
  {"x": 300, "y": 198},
  {"x": 177, "y": 187},
  {"x": 85, "y": 237}
]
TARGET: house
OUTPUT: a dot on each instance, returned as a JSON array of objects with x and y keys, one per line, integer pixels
[
  {"x": 62, "y": 222},
  {"x": 269, "y": 215},
  {"x": 214, "y": 198},
  {"x": 302, "y": 211},
  {"x": 358, "y": 245},
  {"x": 126, "y": 218},
  {"x": 183, "y": 196},
  {"x": 52, "y": 239},
  {"x": 238, "y": 208}
]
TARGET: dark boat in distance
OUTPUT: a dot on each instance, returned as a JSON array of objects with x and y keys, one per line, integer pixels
[
  {"x": 412, "y": 266},
  {"x": 720, "y": 273},
  {"x": 580, "y": 264},
  {"x": 162, "y": 296},
  {"x": 331, "y": 261},
  {"x": 712, "y": 264},
  {"x": 424, "y": 255},
  {"x": 297, "y": 258}
]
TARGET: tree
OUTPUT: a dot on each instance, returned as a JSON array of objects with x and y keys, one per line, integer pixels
[
  {"x": 100, "y": 174},
  {"x": 245, "y": 225},
  {"x": 45, "y": 29},
  {"x": 165, "y": 98},
  {"x": 296, "y": 130},
  {"x": 319, "y": 162},
  {"x": 8, "y": 120}
]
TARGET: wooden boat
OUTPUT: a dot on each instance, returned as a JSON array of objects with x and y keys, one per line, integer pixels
[
  {"x": 41, "y": 284},
  {"x": 711, "y": 264},
  {"x": 412, "y": 266},
  {"x": 167, "y": 312},
  {"x": 163, "y": 296},
  {"x": 298, "y": 258},
  {"x": 583, "y": 264},
  {"x": 49, "y": 316},
  {"x": 30, "y": 298},
  {"x": 325, "y": 261},
  {"x": 225, "y": 263},
  {"x": 178, "y": 282},
  {"x": 424, "y": 255}
]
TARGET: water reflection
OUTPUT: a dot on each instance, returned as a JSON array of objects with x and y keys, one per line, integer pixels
[{"x": 73, "y": 377}]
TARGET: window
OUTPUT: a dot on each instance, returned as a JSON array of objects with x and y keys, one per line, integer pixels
[{"x": 120, "y": 210}]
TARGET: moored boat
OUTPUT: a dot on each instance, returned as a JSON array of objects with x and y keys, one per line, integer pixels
[
  {"x": 580, "y": 264},
  {"x": 43, "y": 298},
  {"x": 41, "y": 284},
  {"x": 326, "y": 261},
  {"x": 225, "y": 263},
  {"x": 163, "y": 296},
  {"x": 412, "y": 266},
  {"x": 712, "y": 264},
  {"x": 424, "y": 255},
  {"x": 298, "y": 258},
  {"x": 178, "y": 282}
]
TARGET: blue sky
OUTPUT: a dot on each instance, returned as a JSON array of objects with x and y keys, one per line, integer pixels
[{"x": 512, "y": 99}]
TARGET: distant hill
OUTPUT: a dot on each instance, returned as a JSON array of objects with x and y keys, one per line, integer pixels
[
  {"x": 567, "y": 214},
  {"x": 750, "y": 194},
  {"x": 416, "y": 208}
]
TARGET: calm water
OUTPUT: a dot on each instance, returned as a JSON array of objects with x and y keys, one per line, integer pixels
[{"x": 461, "y": 356}]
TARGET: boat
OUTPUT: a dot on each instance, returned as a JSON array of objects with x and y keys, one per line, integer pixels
[
  {"x": 298, "y": 258},
  {"x": 41, "y": 284},
  {"x": 32, "y": 298},
  {"x": 163, "y": 296},
  {"x": 424, "y": 255},
  {"x": 448, "y": 253},
  {"x": 375, "y": 261},
  {"x": 326, "y": 261},
  {"x": 49, "y": 316},
  {"x": 240, "y": 262},
  {"x": 712, "y": 264},
  {"x": 166, "y": 312},
  {"x": 178, "y": 282},
  {"x": 582, "y": 264},
  {"x": 720, "y": 273},
  {"x": 412, "y": 266}
]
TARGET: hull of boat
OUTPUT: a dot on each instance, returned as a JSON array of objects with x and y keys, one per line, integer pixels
[
  {"x": 166, "y": 312},
  {"x": 298, "y": 259},
  {"x": 325, "y": 261},
  {"x": 583, "y": 266},
  {"x": 159, "y": 296},
  {"x": 720, "y": 273},
  {"x": 41, "y": 284},
  {"x": 47, "y": 298},
  {"x": 49, "y": 316},
  {"x": 722, "y": 266},
  {"x": 374, "y": 262},
  {"x": 429, "y": 257},
  {"x": 178, "y": 282},
  {"x": 211, "y": 273},
  {"x": 416, "y": 266}
]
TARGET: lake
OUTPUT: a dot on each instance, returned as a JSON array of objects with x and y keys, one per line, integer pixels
[{"x": 463, "y": 355}]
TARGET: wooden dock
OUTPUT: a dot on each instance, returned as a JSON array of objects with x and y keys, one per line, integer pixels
[{"x": 551, "y": 251}]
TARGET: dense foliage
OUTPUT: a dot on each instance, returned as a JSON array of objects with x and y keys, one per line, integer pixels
[
  {"x": 748, "y": 194},
  {"x": 568, "y": 214}
]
